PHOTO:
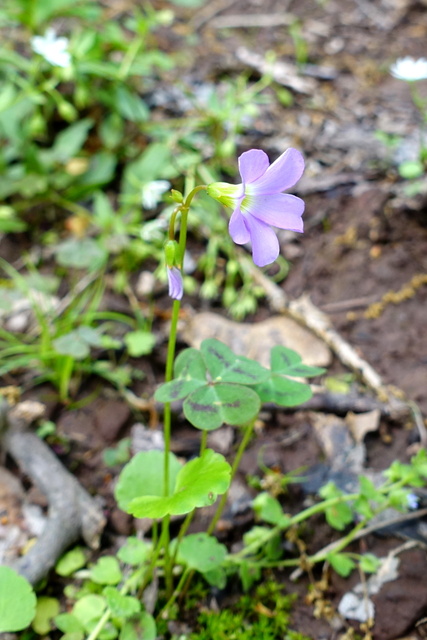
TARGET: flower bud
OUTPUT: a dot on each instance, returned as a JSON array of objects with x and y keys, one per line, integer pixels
[
  {"x": 171, "y": 249},
  {"x": 176, "y": 196},
  {"x": 67, "y": 111}
]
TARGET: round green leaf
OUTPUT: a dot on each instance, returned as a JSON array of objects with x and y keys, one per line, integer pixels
[
  {"x": 17, "y": 601},
  {"x": 139, "y": 343},
  {"x": 71, "y": 561},
  {"x": 143, "y": 476},
  {"x": 143, "y": 628},
  {"x": 134, "y": 551},
  {"x": 411, "y": 169},
  {"x": 106, "y": 571},
  {"x": 72, "y": 344},
  {"x": 201, "y": 552},
  {"x": 208, "y": 407},
  {"x": 47, "y": 608},
  {"x": 68, "y": 623},
  {"x": 269, "y": 509},
  {"x": 197, "y": 485},
  {"x": 342, "y": 563},
  {"x": 121, "y": 606},
  {"x": 88, "y": 609},
  {"x": 83, "y": 253}
]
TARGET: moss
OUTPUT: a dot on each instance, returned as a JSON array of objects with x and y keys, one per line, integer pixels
[{"x": 263, "y": 614}]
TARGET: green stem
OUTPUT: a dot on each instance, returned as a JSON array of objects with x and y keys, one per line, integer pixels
[
  {"x": 99, "y": 627},
  {"x": 240, "y": 451},
  {"x": 176, "y": 593},
  {"x": 170, "y": 358},
  {"x": 189, "y": 517},
  {"x": 66, "y": 365},
  {"x": 299, "y": 517},
  {"x": 129, "y": 57},
  {"x": 223, "y": 501}
]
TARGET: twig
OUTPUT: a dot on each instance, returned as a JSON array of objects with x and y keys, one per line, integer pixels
[
  {"x": 284, "y": 73},
  {"x": 306, "y": 313},
  {"x": 347, "y": 305},
  {"x": 209, "y": 11},
  {"x": 72, "y": 511},
  {"x": 257, "y": 20}
]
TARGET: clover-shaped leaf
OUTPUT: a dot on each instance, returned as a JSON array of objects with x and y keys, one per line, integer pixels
[
  {"x": 197, "y": 485},
  {"x": 283, "y": 391},
  {"x": 77, "y": 343},
  {"x": 208, "y": 407},
  {"x": 226, "y": 366},
  {"x": 190, "y": 364},
  {"x": 289, "y": 363},
  {"x": 81, "y": 253},
  {"x": 190, "y": 373}
]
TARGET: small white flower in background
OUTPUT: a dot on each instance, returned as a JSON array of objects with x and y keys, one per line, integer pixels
[
  {"x": 52, "y": 49},
  {"x": 152, "y": 191},
  {"x": 154, "y": 229},
  {"x": 409, "y": 69}
]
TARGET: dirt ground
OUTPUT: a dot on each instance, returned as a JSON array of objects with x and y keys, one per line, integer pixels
[{"x": 363, "y": 239}]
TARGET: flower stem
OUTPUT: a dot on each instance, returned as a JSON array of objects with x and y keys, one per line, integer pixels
[{"x": 170, "y": 358}]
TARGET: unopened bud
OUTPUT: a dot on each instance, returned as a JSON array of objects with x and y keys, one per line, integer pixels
[
  {"x": 171, "y": 248},
  {"x": 176, "y": 196}
]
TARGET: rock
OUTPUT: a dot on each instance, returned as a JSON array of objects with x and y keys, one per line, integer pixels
[{"x": 256, "y": 340}]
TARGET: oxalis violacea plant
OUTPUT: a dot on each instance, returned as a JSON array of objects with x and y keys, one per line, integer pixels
[{"x": 215, "y": 386}]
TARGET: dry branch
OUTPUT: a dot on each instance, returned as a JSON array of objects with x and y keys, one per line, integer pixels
[{"x": 73, "y": 513}]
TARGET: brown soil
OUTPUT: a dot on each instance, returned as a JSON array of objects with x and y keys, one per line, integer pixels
[{"x": 363, "y": 239}]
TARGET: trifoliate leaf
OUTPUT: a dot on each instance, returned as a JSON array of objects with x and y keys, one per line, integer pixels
[
  {"x": 210, "y": 406},
  {"x": 226, "y": 366}
]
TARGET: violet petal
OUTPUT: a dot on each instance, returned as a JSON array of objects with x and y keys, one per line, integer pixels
[
  {"x": 176, "y": 286},
  {"x": 252, "y": 165},
  {"x": 280, "y": 210},
  {"x": 280, "y": 175},
  {"x": 265, "y": 245},
  {"x": 237, "y": 228}
]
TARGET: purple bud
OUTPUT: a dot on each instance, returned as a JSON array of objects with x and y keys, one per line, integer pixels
[{"x": 176, "y": 287}]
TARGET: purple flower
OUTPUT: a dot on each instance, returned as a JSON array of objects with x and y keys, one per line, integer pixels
[
  {"x": 176, "y": 287},
  {"x": 259, "y": 202}
]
